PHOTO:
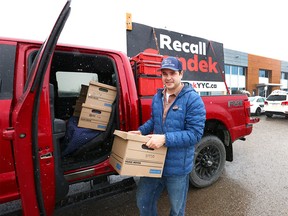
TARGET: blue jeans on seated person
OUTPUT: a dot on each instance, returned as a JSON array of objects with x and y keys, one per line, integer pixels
[{"x": 150, "y": 189}]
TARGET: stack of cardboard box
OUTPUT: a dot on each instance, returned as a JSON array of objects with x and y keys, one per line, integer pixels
[{"x": 96, "y": 110}]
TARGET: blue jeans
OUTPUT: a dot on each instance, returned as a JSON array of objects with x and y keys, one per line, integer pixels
[{"x": 150, "y": 189}]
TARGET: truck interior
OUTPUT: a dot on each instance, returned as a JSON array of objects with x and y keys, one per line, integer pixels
[{"x": 74, "y": 146}]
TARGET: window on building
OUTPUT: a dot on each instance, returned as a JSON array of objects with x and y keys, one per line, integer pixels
[
  {"x": 284, "y": 75},
  {"x": 235, "y": 70},
  {"x": 263, "y": 73},
  {"x": 235, "y": 77},
  {"x": 227, "y": 69},
  {"x": 241, "y": 71}
]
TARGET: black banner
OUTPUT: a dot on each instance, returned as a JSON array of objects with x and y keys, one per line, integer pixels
[{"x": 202, "y": 60}]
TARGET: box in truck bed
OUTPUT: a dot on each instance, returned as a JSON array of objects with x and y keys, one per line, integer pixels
[
  {"x": 100, "y": 91},
  {"x": 94, "y": 117},
  {"x": 96, "y": 111}
]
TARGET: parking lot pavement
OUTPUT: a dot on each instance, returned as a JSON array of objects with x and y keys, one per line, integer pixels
[{"x": 255, "y": 183}]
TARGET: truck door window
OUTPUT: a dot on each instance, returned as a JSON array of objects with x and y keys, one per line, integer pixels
[{"x": 7, "y": 60}]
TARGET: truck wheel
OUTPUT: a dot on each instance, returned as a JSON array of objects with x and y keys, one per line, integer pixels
[{"x": 209, "y": 162}]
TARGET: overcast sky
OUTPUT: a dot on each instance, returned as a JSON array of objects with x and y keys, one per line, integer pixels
[{"x": 252, "y": 26}]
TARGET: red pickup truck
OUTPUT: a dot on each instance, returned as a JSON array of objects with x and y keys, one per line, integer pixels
[{"x": 38, "y": 93}]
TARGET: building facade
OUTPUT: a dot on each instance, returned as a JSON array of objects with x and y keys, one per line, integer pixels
[{"x": 256, "y": 74}]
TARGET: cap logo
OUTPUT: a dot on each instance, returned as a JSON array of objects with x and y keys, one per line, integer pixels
[
  {"x": 171, "y": 63},
  {"x": 168, "y": 62}
]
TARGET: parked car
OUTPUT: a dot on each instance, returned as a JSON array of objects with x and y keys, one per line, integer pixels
[
  {"x": 256, "y": 105},
  {"x": 276, "y": 104}
]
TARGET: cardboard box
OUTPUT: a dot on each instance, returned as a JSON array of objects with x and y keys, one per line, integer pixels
[
  {"x": 130, "y": 156},
  {"x": 83, "y": 91},
  {"x": 94, "y": 117},
  {"x": 100, "y": 102},
  {"x": 76, "y": 113},
  {"x": 81, "y": 99},
  {"x": 78, "y": 106},
  {"x": 77, "y": 109},
  {"x": 101, "y": 92},
  {"x": 92, "y": 101}
]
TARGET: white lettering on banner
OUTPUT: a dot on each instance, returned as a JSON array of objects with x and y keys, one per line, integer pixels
[
  {"x": 165, "y": 41},
  {"x": 202, "y": 86}
]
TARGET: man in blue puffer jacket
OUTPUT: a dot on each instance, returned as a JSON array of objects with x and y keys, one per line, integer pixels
[{"x": 177, "y": 122}]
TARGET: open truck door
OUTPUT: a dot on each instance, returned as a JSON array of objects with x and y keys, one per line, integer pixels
[{"x": 32, "y": 137}]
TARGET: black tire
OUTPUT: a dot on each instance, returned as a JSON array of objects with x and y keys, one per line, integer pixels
[
  {"x": 258, "y": 111},
  {"x": 269, "y": 115},
  {"x": 209, "y": 162}
]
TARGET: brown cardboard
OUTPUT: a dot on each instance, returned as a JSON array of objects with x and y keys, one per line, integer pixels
[
  {"x": 84, "y": 90},
  {"x": 100, "y": 102},
  {"x": 80, "y": 100},
  {"x": 128, "y": 157},
  {"x": 94, "y": 117},
  {"x": 100, "y": 91},
  {"x": 76, "y": 113},
  {"x": 78, "y": 107}
]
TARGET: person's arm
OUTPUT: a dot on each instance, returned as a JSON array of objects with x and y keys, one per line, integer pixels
[{"x": 147, "y": 127}]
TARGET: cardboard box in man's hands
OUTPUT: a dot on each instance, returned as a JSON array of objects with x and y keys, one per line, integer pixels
[{"x": 130, "y": 156}]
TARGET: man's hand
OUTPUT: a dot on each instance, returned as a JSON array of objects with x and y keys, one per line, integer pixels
[{"x": 156, "y": 141}]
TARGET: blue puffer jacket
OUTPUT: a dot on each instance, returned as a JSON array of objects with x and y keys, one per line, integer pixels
[{"x": 183, "y": 128}]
